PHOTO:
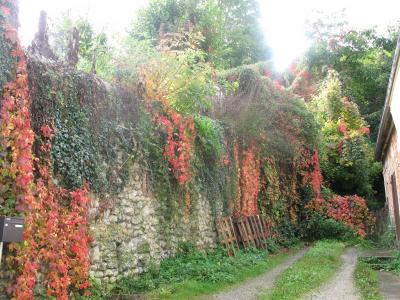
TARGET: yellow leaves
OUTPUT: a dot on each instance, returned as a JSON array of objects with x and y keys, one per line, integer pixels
[{"x": 10, "y": 126}]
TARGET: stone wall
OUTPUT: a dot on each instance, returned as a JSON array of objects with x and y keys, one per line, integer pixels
[
  {"x": 131, "y": 228},
  {"x": 133, "y": 232}
]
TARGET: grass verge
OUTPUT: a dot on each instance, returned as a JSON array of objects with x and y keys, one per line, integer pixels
[
  {"x": 191, "y": 274},
  {"x": 366, "y": 280},
  {"x": 191, "y": 289},
  {"x": 314, "y": 268}
]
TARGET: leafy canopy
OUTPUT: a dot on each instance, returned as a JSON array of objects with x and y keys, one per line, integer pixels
[
  {"x": 363, "y": 58},
  {"x": 231, "y": 33}
]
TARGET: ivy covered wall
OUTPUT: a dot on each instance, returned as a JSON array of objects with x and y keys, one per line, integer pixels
[
  {"x": 7, "y": 61},
  {"x": 94, "y": 125},
  {"x": 97, "y": 142}
]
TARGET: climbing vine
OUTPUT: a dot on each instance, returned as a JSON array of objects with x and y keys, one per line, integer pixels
[
  {"x": 17, "y": 137},
  {"x": 248, "y": 180},
  {"x": 56, "y": 239},
  {"x": 350, "y": 210},
  {"x": 180, "y": 133}
]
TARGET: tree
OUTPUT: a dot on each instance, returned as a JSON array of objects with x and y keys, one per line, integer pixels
[
  {"x": 230, "y": 29},
  {"x": 346, "y": 153},
  {"x": 94, "y": 51},
  {"x": 363, "y": 58}
]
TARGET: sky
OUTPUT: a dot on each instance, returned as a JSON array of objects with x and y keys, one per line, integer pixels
[{"x": 283, "y": 21}]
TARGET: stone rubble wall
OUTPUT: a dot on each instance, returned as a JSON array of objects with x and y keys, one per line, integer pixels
[{"x": 134, "y": 233}]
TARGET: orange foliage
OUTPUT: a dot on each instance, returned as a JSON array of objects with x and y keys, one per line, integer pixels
[
  {"x": 180, "y": 138},
  {"x": 56, "y": 236},
  {"x": 248, "y": 181}
]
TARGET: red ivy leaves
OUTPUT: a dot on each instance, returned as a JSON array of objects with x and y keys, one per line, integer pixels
[
  {"x": 6, "y": 11},
  {"x": 56, "y": 238},
  {"x": 180, "y": 138},
  {"x": 46, "y": 131},
  {"x": 316, "y": 176},
  {"x": 350, "y": 210},
  {"x": 16, "y": 134},
  {"x": 301, "y": 84},
  {"x": 17, "y": 169},
  {"x": 248, "y": 181},
  {"x": 364, "y": 130}
]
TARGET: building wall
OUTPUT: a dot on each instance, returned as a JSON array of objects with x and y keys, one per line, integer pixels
[
  {"x": 394, "y": 102},
  {"x": 391, "y": 162},
  {"x": 391, "y": 166}
]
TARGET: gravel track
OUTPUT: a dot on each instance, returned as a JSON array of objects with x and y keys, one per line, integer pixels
[
  {"x": 254, "y": 287},
  {"x": 341, "y": 287}
]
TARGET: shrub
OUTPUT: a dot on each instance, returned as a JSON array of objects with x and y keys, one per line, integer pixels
[
  {"x": 321, "y": 227},
  {"x": 272, "y": 246},
  {"x": 352, "y": 211}
]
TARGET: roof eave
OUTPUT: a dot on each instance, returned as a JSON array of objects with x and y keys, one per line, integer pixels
[{"x": 386, "y": 117}]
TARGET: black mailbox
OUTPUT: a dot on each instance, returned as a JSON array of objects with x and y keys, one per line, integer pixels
[{"x": 11, "y": 229}]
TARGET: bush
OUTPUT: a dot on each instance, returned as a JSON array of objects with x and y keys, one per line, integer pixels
[
  {"x": 395, "y": 264},
  {"x": 272, "y": 246},
  {"x": 320, "y": 227}
]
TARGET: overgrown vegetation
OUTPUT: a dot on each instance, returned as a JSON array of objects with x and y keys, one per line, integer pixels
[
  {"x": 7, "y": 61},
  {"x": 346, "y": 153},
  {"x": 172, "y": 60},
  {"x": 320, "y": 227},
  {"x": 191, "y": 103},
  {"x": 316, "y": 267},
  {"x": 391, "y": 264}
]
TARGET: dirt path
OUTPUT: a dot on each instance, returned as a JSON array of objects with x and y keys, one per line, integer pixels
[
  {"x": 341, "y": 287},
  {"x": 252, "y": 288}
]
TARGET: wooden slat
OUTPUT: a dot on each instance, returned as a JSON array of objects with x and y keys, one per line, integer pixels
[
  {"x": 233, "y": 232},
  {"x": 227, "y": 234},
  {"x": 245, "y": 232},
  {"x": 266, "y": 229},
  {"x": 258, "y": 231},
  {"x": 252, "y": 231}
]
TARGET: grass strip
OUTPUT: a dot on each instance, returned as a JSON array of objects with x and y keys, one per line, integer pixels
[
  {"x": 192, "y": 273},
  {"x": 367, "y": 282},
  {"x": 191, "y": 289},
  {"x": 317, "y": 266}
]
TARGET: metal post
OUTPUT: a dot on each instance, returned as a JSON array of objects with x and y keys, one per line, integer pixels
[{"x": 1, "y": 251}]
